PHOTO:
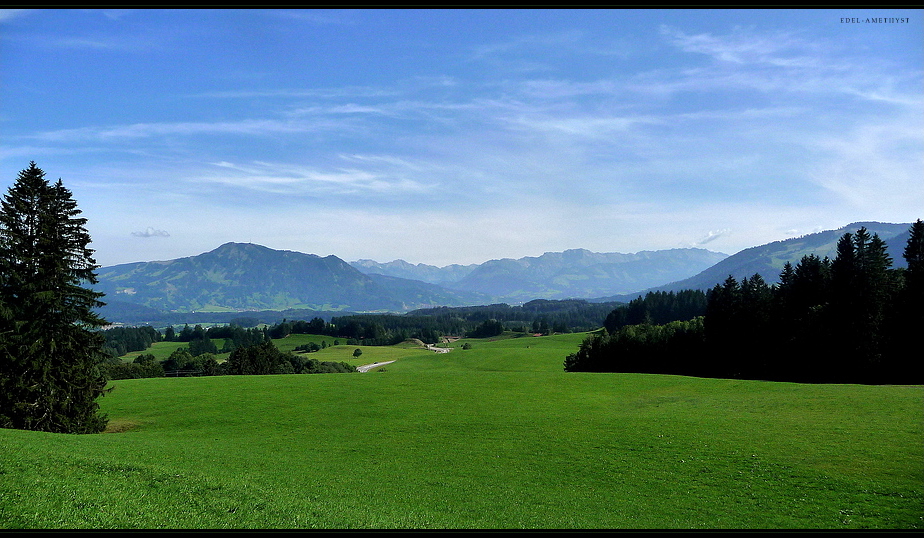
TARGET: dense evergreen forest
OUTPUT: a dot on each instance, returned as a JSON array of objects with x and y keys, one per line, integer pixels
[{"x": 853, "y": 319}]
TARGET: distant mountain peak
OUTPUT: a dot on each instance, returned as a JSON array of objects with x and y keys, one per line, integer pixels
[
  {"x": 247, "y": 276},
  {"x": 768, "y": 259}
]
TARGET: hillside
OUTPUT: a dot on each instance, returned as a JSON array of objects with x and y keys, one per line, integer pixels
[
  {"x": 494, "y": 437},
  {"x": 240, "y": 277},
  {"x": 768, "y": 260}
]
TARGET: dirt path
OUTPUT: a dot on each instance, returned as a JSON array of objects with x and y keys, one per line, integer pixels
[
  {"x": 367, "y": 367},
  {"x": 431, "y": 347}
]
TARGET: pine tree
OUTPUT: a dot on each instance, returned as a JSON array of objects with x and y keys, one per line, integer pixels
[
  {"x": 50, "y": 353},
  {"x": 914, "y": 255}
]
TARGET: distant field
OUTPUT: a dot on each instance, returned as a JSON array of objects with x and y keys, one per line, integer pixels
[
  {"x": 494, "y": 437},
  {"x": 162, "y": 350}
]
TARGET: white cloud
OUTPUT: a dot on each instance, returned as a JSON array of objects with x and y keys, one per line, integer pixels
[
  {"x": 151, "y": 232},
  {"x": 712, "y": 236}
]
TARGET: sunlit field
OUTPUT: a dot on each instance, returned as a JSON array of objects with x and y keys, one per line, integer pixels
[{"x": 494, "y": 437}]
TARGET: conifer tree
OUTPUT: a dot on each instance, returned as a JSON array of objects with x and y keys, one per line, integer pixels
[
  {"x": 908, "y": 316},
  {"x": 914, "y": 255},
  {"x": 50, "y": 354}
]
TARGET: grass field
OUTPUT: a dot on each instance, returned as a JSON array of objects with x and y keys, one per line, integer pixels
[
  {"x": 495, "y": 437},
  {"x": 342, "y": 352}
]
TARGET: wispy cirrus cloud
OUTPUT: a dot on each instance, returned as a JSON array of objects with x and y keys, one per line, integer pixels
[
  {"x": 785, "y": 63},
  {"x": 249, "y": 127},
  {"x": 327, "y": 93},
  {"x": 874, "y": 166},
  {"x": 746, "y": 46},
  {"x": 281, "y": 178},
  {"x": 587, "y": 126}
]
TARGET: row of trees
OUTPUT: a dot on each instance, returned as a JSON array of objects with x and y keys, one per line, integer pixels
[
  {"x": 539, "y": 316},
  {"x": 853, "y": 319},
  {"x": 121, "y": 340},
  {"x": 259, "y": 359},
  {"x": 658, "y": 307},
  {"x": 565, "y": 315}
]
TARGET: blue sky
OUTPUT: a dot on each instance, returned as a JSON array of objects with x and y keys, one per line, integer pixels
[{"x": 459, "y": 136}]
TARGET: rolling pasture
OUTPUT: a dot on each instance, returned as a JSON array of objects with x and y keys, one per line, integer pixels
[{"x": 494, "y": 437}]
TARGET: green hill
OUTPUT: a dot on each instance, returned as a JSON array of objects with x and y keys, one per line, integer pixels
[
  {"x": 239, "y": 277},
  {"x": 494, "y": 437},
  {"x": 582, "y": 273},
  {"x": 768, "y": 260}
]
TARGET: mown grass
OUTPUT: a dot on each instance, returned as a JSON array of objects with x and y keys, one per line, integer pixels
[{"x": 497, "y": 436}]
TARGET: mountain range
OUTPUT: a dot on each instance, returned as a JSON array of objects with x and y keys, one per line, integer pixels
[
  {"x": 556, "y": 275},
  {"x": 247, "y": 277},
  {"x": 239, "y": 277}
]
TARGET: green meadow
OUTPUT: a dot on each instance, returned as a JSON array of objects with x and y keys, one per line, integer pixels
[{"x": 493, "y": 437}]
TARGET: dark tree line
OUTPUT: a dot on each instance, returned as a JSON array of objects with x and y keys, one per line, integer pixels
[
  {"x": 122, "y": 340},
  {"x": 265, "y": 359},
  {"x": 143, "y": 366},
  {"x": 567, "y": 315},
  {"x": 658, "y": 307},
  {"x": 258, "y": 359},
  {"x": 487, "y": 329},
  {"x": 853, "y": 319},
  {"x": 539, "y": 316}
]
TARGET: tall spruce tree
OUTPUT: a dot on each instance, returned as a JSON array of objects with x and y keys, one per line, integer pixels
[{"x": 49, "y": 352}]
